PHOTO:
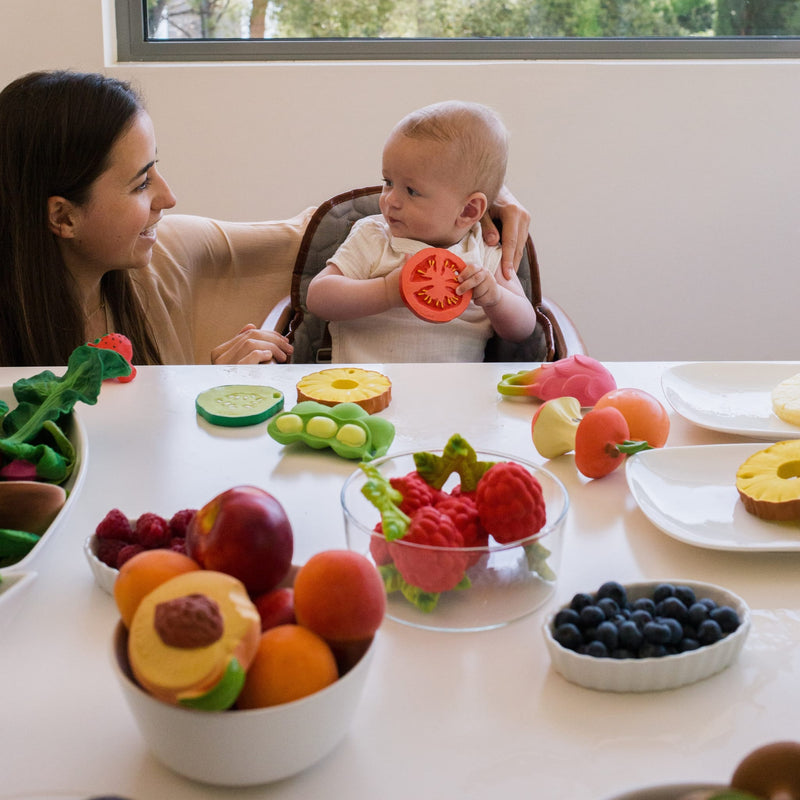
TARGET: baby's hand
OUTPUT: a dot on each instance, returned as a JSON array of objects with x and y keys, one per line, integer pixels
[{"x": 485, "y": 291}]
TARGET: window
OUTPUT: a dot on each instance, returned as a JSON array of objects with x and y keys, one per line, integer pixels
[{"x": 187, "y": 30}]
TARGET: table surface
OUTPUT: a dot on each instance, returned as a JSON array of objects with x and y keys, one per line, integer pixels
[{"x": 469, "y": 715}]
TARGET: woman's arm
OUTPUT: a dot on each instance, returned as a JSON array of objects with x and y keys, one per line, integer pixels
[{"x": 515, "y": 222}]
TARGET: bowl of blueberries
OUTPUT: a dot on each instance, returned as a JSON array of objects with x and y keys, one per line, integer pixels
[{"x": 644, "y": 637}]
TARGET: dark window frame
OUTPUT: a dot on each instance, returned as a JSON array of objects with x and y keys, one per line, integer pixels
[{"x": 133, "y": 46}]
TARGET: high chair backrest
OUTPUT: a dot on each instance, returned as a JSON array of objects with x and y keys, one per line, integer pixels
[{"x": 329, "y": 227}]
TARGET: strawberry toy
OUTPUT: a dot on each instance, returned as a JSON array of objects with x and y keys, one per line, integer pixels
[{"x": 122, "y": 345}]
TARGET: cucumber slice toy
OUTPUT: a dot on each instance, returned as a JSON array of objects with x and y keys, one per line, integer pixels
[{"x": 237, "y": 405}]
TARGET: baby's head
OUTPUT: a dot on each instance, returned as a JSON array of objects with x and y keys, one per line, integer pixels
[{"x": 451, "y": 154}]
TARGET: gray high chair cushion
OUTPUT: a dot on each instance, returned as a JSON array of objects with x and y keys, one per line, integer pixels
[{"x": 329, "y": 227}]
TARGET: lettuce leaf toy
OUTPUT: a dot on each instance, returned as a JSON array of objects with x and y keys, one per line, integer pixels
[{"x": 32, "y": 431}]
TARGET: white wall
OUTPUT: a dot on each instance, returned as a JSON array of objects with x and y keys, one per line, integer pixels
[{"x": 664, "y": 194}]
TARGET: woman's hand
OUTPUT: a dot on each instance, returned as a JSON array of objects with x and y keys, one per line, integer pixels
[
  {"x": 515, "y": 221},
  {"x": 253, "y": 346}
]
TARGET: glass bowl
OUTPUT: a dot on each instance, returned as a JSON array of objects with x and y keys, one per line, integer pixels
[{"x": 505, "y": 581}]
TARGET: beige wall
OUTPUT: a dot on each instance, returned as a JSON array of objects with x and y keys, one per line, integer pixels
[{"x": 664, "y": 194}]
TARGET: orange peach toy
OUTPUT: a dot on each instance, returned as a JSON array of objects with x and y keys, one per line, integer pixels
[{"x": 192, "y": 639}]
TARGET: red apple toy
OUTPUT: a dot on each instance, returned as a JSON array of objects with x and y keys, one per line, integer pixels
[{"x": 244, "y": 532}]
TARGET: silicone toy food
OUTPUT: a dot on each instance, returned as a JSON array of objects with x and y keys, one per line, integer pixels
[
  {"x": 428, "y": 283},
  {"x": 120, "y": 344},
  {"x": 602, "y": 442},
  {"x": 771, "y": 772},
  {"x": 647, "y": 418},
  {"x": 192, "y": 638},
  {"x": 237, "y": 405},
  {"x": 244, "y": 532},
  {"x": 786, "y": 400},
  {"x": 369, "y": 389},
  {"x": 769, "y": 482},
  {"x": 554, "y": 426},
  {"x": 346, "y": 428},
  {"x": 419, "y": 543},
  {"x": 577, "y": 376}
]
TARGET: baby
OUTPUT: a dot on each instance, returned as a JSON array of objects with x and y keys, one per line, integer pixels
[{"x": 443, "y": 166}]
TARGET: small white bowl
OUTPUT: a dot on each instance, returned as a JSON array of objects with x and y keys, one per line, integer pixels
[
  {"x": 104, "y": 575},
  {"x": 653, "y": 674},
  {"x": 243, "y": 748}
]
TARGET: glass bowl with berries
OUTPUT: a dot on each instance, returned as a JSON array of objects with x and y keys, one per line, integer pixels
[
  {"x": 645, "y": 637},
  {"x": 464, "y": 540}
]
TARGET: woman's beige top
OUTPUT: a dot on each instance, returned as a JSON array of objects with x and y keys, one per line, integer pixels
[{"x": 207, "y": 279}]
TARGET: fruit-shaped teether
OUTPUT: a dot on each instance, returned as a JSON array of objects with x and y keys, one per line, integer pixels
[{"x": 428, "y": 285}]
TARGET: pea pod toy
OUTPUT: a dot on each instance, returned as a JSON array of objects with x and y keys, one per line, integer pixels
[{"x": 345, "y": 428}]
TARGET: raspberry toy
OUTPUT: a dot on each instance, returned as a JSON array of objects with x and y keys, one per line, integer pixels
[
  {"x": 510, "y": 502},
  {"x": 430, "y": 570},
  {"x": 115, "y": 525},
  {"x": 152, "y": 531},
  {"x": 416, "y": 493},
  {"x": 464, "y": 513}
]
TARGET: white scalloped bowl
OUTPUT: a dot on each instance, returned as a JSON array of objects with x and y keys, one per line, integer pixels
[
  {"x": 243, "y": 748},
  {"x": 506, "y": 581},
  {"x": 104, "y": 576},
  {"x": 653, "y": 674},
  {"x": 76, "y": 432}
]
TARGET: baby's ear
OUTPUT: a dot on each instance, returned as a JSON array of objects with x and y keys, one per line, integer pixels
[{"x": 474, "y": 208}]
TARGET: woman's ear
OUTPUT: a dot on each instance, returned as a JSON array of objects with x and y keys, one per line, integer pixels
[
  {"x": 474, "y": 208},
  {"x": 60, "y": 217}
]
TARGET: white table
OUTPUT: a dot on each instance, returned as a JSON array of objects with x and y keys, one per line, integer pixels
[{"x": 474, "y": 715}]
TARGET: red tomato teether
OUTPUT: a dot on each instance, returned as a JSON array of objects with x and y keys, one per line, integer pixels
[{"x": 428, "y": 284}]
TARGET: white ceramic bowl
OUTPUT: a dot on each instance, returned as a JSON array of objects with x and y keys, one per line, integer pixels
[
  {"x": 243, "y": 748},
  {"x": 505, "y": 581},
  {"x": 104, "y": 576},
  {"x": 76, "y": 432},
  {"x": 653, "y": 674}
]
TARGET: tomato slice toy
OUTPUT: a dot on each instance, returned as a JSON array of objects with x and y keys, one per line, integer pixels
[{"x": 428, "y": 285}]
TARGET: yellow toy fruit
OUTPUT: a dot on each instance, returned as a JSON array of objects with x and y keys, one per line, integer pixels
[{"x": 369, "y": 389}]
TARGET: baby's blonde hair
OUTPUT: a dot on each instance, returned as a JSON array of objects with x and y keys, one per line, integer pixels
[{"x": 477, "y": 134}]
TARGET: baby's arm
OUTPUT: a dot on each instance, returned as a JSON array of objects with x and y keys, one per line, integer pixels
[
  {"x": 502, "y": 298},
  {"x": 334, "y": 296}
]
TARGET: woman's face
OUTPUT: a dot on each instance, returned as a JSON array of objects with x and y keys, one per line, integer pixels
[{"x": 116, "y": 227}]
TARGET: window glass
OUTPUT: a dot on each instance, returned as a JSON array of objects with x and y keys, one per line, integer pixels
[{"x": 457, "y": 28}]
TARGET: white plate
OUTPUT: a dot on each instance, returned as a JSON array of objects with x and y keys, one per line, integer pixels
[
  {"x": 672, "y": 791},
  {"x": 731, "y": 396},
  {"x": 690, "y": 494},
  {"x": 77, "y": 434}
]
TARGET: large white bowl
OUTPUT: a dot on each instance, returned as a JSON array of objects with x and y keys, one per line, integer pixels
[
  {"x": 653, "y": 674},
  {"x": 243, "y": 748},
  {"x": 504, "y": 584},
  {"x": 76, "y": 432}
]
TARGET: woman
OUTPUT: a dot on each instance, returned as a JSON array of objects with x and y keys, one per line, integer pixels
[
  {"x": 84, "y": 249},
  {"x": 80, "y": 201}
]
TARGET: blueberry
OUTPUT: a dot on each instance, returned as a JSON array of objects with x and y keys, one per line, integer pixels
[
  {"x": 651, "y": 650},
  {"x": 673, "y": 608},
  {"x": 686, "y": 595},
  {"x": 645, "y": 604},
  {"x": 581, "y": 600},
  {"x": 657, "y": 633},
  {"x": 568, "y": 636},
  {"x": 726, "y": 618},
  {"x": 614, "y": 590},
  {"x": 698, "y": 613},
  {"x": 608, "y": 635},
  {"x": 609, "y": 607},
  {"x": 688, "y": 643},
  {"x": 596, "y": 649},
  {"x": 566, "y": 615},
  {"x": 675, "y": 628},
  {"x": 591, "y": 616},
  {"x": 641, "y": 617},
  {"x": 662, "y": 592},
  {"x": 709, "y": 632},
  {"x": 630, "y": 637},
  {"x": 708, "y": 603}
]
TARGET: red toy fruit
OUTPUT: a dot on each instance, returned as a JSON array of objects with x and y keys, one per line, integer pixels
[
  {"x": 428, "y": 284},
  {"x": 122, "y": 345},
  {"x": 647, "y": 418},
  {"x": 602, "y": 442},
  {"x": 244, "y": 532}
]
